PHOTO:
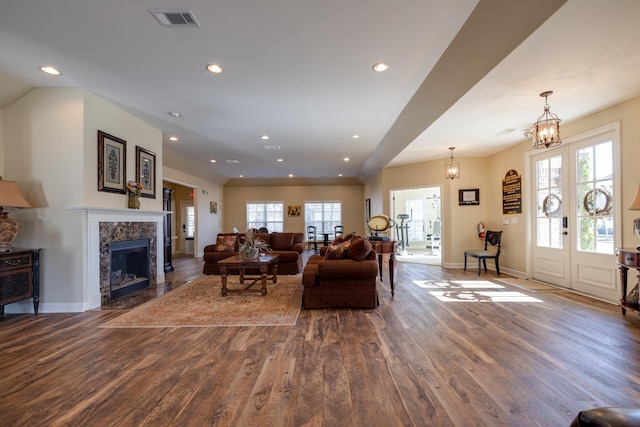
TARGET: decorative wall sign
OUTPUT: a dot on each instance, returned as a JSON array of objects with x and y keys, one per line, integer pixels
[
  {"x": 213, "y": 207},
  {"x": 146, "y": 172},
  {"x": 512, "y": 193},
  {"x": 112, "y": 163},
  {"x": 469, "y": 197}
]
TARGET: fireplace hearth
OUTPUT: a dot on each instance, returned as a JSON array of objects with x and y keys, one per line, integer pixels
[{"x": 129, "y": 267}]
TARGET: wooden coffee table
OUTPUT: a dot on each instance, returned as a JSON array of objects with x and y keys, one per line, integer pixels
[{"x": 262, "y": 263}]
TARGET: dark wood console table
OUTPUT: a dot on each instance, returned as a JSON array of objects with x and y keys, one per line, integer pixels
[
  {"x": 386, "y": 247},
  {"x": 628, "y": 258},
  {"x": 19, "y": 277}
]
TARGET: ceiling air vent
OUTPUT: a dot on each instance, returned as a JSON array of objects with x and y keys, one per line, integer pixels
[
  {"x": 232, "y": 161},
  {"x": 175, "y": 18}
]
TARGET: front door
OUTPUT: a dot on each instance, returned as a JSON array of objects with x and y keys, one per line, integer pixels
[{"x": 576, "y": 214}]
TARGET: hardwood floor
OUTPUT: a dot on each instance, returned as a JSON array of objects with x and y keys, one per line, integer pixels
[{"x": 465, "y": 358}]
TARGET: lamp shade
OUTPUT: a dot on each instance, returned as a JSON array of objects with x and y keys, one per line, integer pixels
[
  {"x": 11, "y": 196},
  {"x": 635, "y": 206}
]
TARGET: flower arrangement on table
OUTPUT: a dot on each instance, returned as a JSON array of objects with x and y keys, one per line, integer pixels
[
  {"x": 135, "y": 188},
  {"x": 252, "y": 245}
]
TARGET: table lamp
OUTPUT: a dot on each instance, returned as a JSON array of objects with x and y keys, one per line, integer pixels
[
  {"x": 10, "y": 196},
  {"x": 635, "y": 206}
]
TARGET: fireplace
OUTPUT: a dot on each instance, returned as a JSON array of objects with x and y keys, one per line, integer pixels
[
  {"x": 107, "y": 225},
  {"x": 129, "y": 267}
]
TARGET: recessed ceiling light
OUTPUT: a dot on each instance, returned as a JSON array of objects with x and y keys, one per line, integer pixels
[
  {"x": 175, "y": 114},
  {"x": 240, "y": 176},
  {"x": 290, "y": 175},
  {"x": 264, "y": 137},
  {"x": 380, "y": 67},
  {"x": 214, "y": 68},
  {"x": 346, "y": 159},
  {"x": 339, "y": 174},
  {"x": 50, "y": 70},
  {"x": 280, "y": 160},
  {"x": 213, "y": 160},
  {"x": 355, "y": 136},
  {"x": 173, "y": 138}
]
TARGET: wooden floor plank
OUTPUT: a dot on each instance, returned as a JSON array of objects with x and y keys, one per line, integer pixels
[{"x": 414, "y": 360}]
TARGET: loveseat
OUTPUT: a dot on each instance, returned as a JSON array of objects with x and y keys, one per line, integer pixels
[
  {"x": 343, "y": 275},
  {"x": 288, "y": 246}
]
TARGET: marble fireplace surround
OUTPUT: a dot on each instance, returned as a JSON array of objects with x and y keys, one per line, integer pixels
[{"x": 106, "y": 225}]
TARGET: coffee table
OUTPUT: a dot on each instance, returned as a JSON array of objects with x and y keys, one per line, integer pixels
[{"x": 262, "y": 263}]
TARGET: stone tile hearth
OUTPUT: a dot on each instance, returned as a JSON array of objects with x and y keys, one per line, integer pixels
[{"x": 119, "y": 232}]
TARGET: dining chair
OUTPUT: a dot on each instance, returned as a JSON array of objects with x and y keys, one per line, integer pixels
[
  {"x": 312, "y": 239},
  {"x": 493, "y": 239}
]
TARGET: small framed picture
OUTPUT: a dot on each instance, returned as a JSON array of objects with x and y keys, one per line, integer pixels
[
  {"x": 146, "y": 172},
  {"x": 112, "y": 163},
  {"x": 469, "y": 197},
  {"x": 213, "y": 207},
  {"x": 294, "y": 210}
]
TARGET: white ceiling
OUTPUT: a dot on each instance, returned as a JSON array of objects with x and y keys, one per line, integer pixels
[{"x": 461, "y": 72}]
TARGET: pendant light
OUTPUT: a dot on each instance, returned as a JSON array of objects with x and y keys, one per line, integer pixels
[
  {"x": 547, "y": 127},
  {"x": 452, "y": 168}
]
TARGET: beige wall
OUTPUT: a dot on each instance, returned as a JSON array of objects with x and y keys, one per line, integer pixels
[
  {"x": 205, "y": 192},
  {"x": 51, "y": 151},
  {"x": 351, "y": 196},
  {"x": 458, "y": 222}
]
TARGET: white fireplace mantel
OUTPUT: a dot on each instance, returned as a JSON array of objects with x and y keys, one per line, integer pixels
[{"x": 96, "y": 215}]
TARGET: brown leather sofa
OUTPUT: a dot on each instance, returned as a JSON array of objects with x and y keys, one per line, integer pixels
[
  {"x": 288, "y": 246},
  {"x": 335, "y": 282},
  {"x": 607, "y": 417}
]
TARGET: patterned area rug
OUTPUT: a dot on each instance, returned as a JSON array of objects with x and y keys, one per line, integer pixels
[{"x": 199, "y": 304}]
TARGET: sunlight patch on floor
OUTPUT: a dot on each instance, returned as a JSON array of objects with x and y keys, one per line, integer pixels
[
  {"x": 461, "y": 284},
  {"x": 481, "y": 296},
  {"x": 472, "y": 291}
]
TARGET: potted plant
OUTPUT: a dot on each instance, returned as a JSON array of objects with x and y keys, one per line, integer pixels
[
  {"x": 134, "y": 189},
  {"x": 252, "y": 245}
]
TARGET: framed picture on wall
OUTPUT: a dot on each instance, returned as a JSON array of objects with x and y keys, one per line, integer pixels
[
  {"x": 146, "y": 172},
  {"x": 112, "y": 163},
  {"x": 367, "y": 209},
  {"x": 294, "y": 210},
  {"x": 469, "y": 197}
]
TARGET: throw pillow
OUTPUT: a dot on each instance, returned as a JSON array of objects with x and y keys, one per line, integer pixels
[
  {"x": 338, "y": 251},
  {"x": 226, "y": 244},
  {"x": 360, "y": 248}
]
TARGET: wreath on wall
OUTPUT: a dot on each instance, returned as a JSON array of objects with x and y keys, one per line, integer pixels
[
  {"x": 597, "y": 202},
  {"x": 551, "y": 205}
]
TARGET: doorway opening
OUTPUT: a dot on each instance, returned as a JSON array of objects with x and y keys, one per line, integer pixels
[{"x": 417, "y": 224}]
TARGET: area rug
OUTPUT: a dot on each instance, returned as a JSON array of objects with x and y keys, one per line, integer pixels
[
  {"x": 530, "y": 285},
  {"x": 199, "y": 304}
]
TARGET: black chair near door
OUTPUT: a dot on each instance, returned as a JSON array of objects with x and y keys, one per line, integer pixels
[{"x": 492, "y": 244}]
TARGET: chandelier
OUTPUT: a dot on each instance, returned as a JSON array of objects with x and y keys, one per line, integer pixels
[
  {"x": 547, "y": 127},
  {"x": 452, "y": 168}
]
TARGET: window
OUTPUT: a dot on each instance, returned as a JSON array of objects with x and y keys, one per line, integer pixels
[
  {"x": 190, "y": 221},
  {"x": 266, "y": 214},
  {"x": 416, "y": 221},
  {"x": 323, "y": 215}
]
